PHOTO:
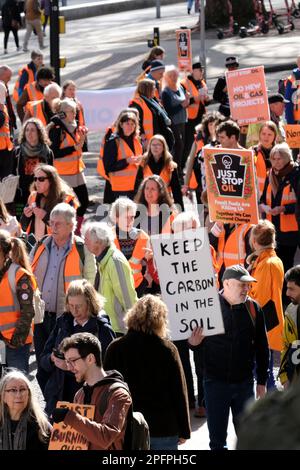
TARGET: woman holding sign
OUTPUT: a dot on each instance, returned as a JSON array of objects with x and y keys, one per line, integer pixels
[
  {"x": 23, "y": 424},
  {"x": 267, "y": 140},
  {"x": 278, "y": 202}
]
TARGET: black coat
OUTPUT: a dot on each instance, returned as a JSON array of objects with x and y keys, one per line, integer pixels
[
  {"x": 10, "y": 11},
  {"x": 62, "y": 382},
  {"x": 152, "y": 368}
]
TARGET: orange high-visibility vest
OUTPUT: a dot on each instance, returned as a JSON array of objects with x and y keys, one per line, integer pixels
[
  {"x": 165, "y": 174},
  {"x": 261, "y": 171},
  {"x": 15, "y": 94},
  {"x": 5, "y": 142},
  {"x": 192, "y": 109},
  {"x": 9, "y": 306},
  {"x": 294, "y": 82},
  {"x": 35, "y": 109},
  {"x": 147, "y": 116},
  {"x": 67, "y": 199},
  {"x": 193, "y": 183},
  {"x": 233, "y": 251},
  {"x": 72, "y": 268},
  {"x": 124, "y": 180},
  {"x": 137, "y": 256},
  {"x": 288, "y": 222},
  {"x": 70, "y": 164},
  {"x": 33, "y": 93},
  {"x": 81, "y": 120}
]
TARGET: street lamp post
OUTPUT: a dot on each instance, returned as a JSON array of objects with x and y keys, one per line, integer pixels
[
  {"x": 157, "y": 8},
  {"x": 54, "y": 38},
  {"x": 202, "y": 36}
]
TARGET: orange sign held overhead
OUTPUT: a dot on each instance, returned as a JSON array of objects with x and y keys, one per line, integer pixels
[
  {"x": 292, "y": 134},
  {"x": 64, "y": 437},
  {"x": 248, "y": 95},
  {"x": 184, "y": 49},
  {"x": 231, "y": 185}
]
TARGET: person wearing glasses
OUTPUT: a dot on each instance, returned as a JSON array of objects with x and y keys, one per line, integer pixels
[
  {"x": 23, "y": 423},
  {"x": 58, "y": 259},
  {"x": 84, "y": 313},
  {"x": 32, "y": 150},
  {"x": 48, "y": 190},
  {"x": 106, "y": 431}
]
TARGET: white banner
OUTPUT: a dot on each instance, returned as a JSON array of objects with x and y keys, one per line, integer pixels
[
  {"x": 101, "y": 107},
  {"x": 187, "y": 282}
]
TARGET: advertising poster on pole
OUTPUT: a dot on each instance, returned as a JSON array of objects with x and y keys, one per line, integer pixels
[
  {"x": 248, "y": 96},
  {"x": 231, "y": 185},
  {"x": 63, "y": 436},
  {"x": 187, "y": 281},
  {"x": 184, "y": 50}
]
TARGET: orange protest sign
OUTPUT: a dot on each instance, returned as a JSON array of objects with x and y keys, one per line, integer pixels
[
  {"x": 231, "y": 187},
  {"x": 64, "y": 437},
  {"x": 184, "y": 49},
  {"x": 292, "y": 133},
  {"x": 248, "y": 95}
]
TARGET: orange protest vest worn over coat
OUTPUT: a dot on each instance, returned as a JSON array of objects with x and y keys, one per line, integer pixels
[
  {"x": 10, "y": 308},
  {"x": 35, "y": 109},
  {"x": 147, "y": 117},
  {"x": 267, "y": 291},
  {"x": 165, "y": 174},
  {"x": 137, "y": 256},
  {"x": 5, "y": 142},
  {"x": 33, "y": 93},
  {"x": 193, "y": 183},
  {"x": 72, "y": 266},
  {"x": 15, "y": 94},
  {"x": 288, "y": 222},
  {"x": 261, "y": 171},
  {"x": 192, "y": 109},
  {"x": 233, "y": 250},
  {"x": 71, "y": 164},
  {"x": 295, "y": 84},
  {"x": 124, "y": 180}
]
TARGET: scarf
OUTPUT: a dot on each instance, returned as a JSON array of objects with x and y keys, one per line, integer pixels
[
  {"x": 18, "y": 440},
  {"x": 71, "y": 126},
  {"x": 250, "y": 260},
  {"x": 40, "y": 150},
  {"x": 159, "y": 109},
  {"x": 276, "y": 178}
]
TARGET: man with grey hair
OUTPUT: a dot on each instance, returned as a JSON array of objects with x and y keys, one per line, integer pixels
[
  {"x": 56, "y": 260},
  {"x": 43, "y": 109},
  {"x": 114, "y": 279}
]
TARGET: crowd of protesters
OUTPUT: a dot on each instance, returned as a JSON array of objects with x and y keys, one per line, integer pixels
[{"x": 98, "y": 278}]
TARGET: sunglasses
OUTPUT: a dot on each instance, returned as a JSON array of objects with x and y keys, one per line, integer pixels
[{"x": 41, "y": 179}]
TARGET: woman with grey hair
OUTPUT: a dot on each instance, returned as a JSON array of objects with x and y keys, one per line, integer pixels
[
  {"x": 67, "y": 139},
  {"x": 133, "y": 242},
  {"x": 23, "y": 424},
  {"x": 278, "y": 202}
]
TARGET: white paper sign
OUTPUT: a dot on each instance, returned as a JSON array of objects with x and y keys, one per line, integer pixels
[{"x": 187, "y": 282}]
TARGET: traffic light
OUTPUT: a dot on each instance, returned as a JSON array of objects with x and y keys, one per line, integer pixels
[
  {"x": 155, "y": 41},
  {"x": 57, "y": 26}
]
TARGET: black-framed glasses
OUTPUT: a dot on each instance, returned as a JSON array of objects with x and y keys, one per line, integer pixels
[
  {"x": 41, "y": 179},
  {"x": 72, "y": 362}
]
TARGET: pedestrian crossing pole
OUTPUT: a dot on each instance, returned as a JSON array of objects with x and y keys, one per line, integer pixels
[{"x": 54, "y": 38}]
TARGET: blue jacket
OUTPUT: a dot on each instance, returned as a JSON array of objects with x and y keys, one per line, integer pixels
[
  {"x": 61, "y": 385},
  {"x": 289, "y": 91}
]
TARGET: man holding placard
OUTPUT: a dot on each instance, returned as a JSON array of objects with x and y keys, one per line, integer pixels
[{"x": 228, "y": 359}]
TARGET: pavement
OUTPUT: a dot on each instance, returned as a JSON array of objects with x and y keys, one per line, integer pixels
[{"x": 107, "y": 51}]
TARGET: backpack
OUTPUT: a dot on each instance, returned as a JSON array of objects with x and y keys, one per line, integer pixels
[
  {"x": 137, "y": 435},
  {"x": 38, "y": 302}
]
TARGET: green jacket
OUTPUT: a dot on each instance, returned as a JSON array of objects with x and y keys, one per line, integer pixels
[{"x": 117, "y": 286}]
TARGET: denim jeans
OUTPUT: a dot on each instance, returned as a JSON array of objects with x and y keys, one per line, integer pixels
[
  {"x": 18, "y": 357},
  {"x": 219, "y": 398},
  {"x": 164, "y": 443}
]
